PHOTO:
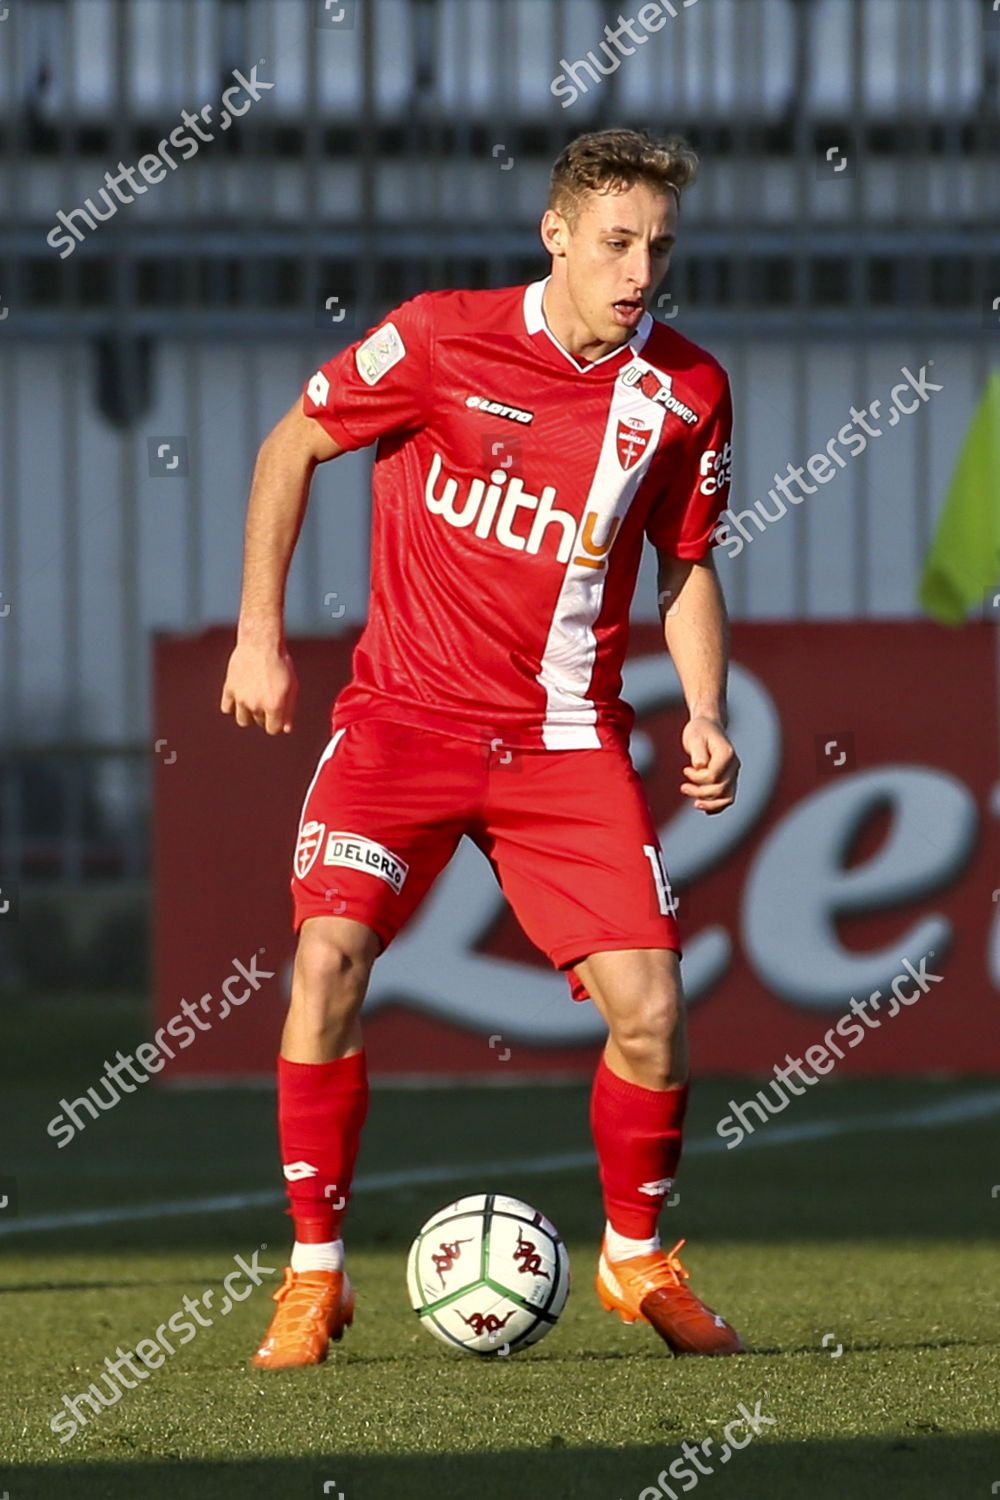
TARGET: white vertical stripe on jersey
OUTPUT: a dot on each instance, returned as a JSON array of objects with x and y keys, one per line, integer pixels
[{"x": 571, "y": 648}]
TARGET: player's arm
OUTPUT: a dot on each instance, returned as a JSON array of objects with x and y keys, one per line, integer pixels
[
  {"x": 261, "y": 686},
  {"x": 696, "y": 631}
]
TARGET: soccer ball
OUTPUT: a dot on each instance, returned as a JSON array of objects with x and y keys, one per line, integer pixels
[{"x": 488, "y": 1274}]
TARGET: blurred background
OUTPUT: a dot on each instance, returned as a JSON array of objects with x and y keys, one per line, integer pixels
[{"x": 844, "y": 230}]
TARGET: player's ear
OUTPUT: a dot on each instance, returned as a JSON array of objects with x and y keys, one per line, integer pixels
[{"x": 554, "y": 232}]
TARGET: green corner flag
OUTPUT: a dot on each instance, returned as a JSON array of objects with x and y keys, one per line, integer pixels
[{"x": 964, "y": 558}]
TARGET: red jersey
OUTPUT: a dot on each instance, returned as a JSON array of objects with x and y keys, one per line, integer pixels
[{"x": 512, "y": 489}]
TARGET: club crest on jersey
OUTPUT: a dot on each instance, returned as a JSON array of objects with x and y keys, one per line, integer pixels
[
  {"x": 632, "y": 441},
  {"x": 364, "y": 854},
  {"x": 659, "y": 388},
  {"x": 379, "y": 353},
  {"x": 307, "y": 848}
]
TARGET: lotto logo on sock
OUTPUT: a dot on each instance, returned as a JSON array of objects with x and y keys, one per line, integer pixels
[
  {"x": 657, "y": 1189},
  {"x": 297, "y": 1170}
]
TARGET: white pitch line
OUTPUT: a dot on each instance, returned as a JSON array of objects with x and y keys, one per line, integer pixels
[{"x": 950, "y": 1112}]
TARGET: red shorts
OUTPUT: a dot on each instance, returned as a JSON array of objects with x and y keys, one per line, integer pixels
[{"x": 568, "y": 833}]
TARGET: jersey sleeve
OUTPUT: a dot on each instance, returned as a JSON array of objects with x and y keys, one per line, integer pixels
[
  {"x": 378, "y": 385},
  {"x": 683, "y": 517}
]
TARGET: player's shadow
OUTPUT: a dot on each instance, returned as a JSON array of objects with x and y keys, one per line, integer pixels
[{"x": 917, "y": 1466}]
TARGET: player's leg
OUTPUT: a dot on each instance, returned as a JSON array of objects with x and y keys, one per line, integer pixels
[
  {"x": 577, "y": 854},
  {"x": 370, "y": 845},
  {"x": 323, "y": 1083},
  {"x": 333, "y": 963},
  {"x": 640, "y": 1090},
  {"x": 638, "y": 991},
  {"x": 637, "y": 1109},
  {"x": 322, "y": 1104}
]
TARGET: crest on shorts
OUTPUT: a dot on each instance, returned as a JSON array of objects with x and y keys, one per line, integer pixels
[
  {"x": 632, "y": 442},
  {"x": 307, "y": 848}
]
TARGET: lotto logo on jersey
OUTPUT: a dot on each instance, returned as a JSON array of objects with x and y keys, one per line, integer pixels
[
  {"x": 491, "y": 509},
  {"x": 632, "y": 442},
  {"x": 497, "y": 409},
  {"x": 365, "y": 854},
  {"x": 318, "y": 389}
]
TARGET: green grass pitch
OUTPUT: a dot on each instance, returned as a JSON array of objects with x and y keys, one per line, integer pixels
[{"x": 861, "y": 1267}]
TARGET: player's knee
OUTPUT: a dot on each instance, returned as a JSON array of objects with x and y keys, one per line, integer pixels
[
  {"x": 646, "y": 1024},
  {"x": 332, "y": 968}
]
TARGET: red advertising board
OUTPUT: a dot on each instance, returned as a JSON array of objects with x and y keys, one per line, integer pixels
[{"x": 863, "y": 839}]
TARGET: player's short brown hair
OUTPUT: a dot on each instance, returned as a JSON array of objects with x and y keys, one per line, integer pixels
[{"x": 616, "y": 160}]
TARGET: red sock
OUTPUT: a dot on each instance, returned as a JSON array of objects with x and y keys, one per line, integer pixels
[
  {"x": 321, "y": 1109},
  {"x": 638, "y": 1134}
]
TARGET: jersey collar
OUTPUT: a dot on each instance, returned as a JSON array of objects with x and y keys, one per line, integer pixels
[{"x": 535, "y": 323}]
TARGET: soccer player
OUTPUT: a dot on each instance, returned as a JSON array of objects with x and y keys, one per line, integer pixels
[{"x": 528, "y": 439}]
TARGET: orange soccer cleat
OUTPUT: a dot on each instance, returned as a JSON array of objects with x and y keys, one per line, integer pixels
[
  {"x": 313, "y": 1308},
  {"x": 650, "y": 1288}
]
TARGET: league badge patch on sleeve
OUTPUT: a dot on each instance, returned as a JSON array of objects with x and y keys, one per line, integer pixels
[{"x": 379, "y": 353}]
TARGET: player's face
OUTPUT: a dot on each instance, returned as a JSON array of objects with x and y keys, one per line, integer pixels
[{"x": 615, "y": 256}]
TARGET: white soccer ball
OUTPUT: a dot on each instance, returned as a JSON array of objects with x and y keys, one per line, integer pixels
[{"x": 488, "y": 1274}]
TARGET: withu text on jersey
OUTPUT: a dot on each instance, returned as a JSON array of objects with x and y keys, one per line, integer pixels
[{"x": 494, "y": 507}]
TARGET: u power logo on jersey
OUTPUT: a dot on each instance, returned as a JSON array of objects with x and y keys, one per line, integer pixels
[
  {"x": 659, "y": 388},
  {"x": 493, "y": 508}
]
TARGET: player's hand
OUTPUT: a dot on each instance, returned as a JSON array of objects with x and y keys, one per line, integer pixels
[
  {"x": 711, "y": 776},
  {"x": 261, "y": 687}
]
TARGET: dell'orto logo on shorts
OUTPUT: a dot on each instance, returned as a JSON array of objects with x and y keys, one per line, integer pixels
[
  {"x": 365, "y": 854},
  {"x": 497, "y": 409},
  {"x": 659, "y": 388},
  {"x": 492, "y": 510}
]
